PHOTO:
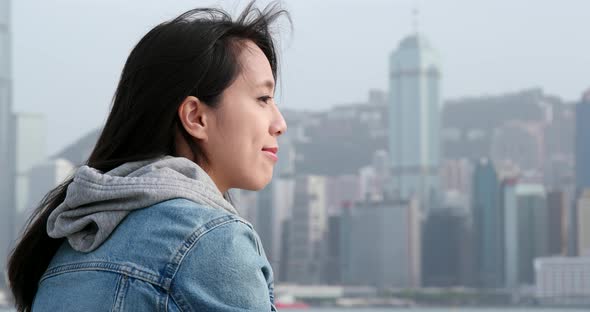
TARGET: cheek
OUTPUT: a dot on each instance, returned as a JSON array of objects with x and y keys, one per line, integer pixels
[
  {"x": 242, "y": 127},
  {"x": 254, "y": 170},
  {"x": 248, "y": 136},
  {"x": 239, "y": 145},
  {"x": 238, "y": 154}
]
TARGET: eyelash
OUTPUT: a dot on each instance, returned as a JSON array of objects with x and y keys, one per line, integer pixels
[{"x": 265, "y": 99}]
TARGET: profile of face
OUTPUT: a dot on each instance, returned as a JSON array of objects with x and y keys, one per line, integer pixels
[{"x": 239, "y": 136}]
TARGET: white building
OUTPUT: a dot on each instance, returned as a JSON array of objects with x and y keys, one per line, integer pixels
[
  {"x": 30, "y": 134},
  {"x": 563, "y": 280}
]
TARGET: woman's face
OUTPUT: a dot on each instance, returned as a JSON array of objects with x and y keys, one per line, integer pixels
[{"x": 241, "y": 143}]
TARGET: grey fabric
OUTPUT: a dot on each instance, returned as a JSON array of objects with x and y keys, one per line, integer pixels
[{"x": 97, "y": 202}]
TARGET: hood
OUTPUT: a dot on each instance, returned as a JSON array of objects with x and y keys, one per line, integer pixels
[{"x": 97, "y": 202}]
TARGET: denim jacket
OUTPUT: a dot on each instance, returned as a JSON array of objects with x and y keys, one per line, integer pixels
[{"x": 173, "y": 255}]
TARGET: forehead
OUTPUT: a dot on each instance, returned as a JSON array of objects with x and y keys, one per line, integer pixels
[{"x": 255, "y": 69}]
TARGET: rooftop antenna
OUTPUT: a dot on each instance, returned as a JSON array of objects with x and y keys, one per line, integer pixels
[{"x": 415, "y": 13}]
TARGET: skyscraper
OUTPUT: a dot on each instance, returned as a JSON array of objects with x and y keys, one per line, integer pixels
[
  {"x": 381, "y": 244},
  {"x": 414, "y": 118},
  {"x": 265, "y": 219},
  {"x": 7, "y": 209},
  {"x": 557, "y": 209},
  {"x": 583, "y": 223},
  {"x": 488, "y": 224},
  {"x": 510, "y": 205},
  {"x": 582, "y": 145},
  {"x": 581, "y": 167},
  {"x": 445, "y": 237},
  {"x": 526, "y": 236},
  {"x": 306, "y": 230}
]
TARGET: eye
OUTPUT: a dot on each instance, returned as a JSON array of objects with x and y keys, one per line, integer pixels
[{"x": 265, "y": 99}]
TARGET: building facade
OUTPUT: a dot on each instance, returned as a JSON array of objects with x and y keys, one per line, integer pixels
[{"x": 414, "y": 119}]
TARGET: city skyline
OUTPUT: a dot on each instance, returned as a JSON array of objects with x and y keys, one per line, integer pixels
[
  {"x": 76, "y": 74},
  {"x": 506, "y": 175}
]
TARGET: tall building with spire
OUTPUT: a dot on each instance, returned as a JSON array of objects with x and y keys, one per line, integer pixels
[
  {"x": 7, "y": 208},
  {"x": 414, "y": 118}
]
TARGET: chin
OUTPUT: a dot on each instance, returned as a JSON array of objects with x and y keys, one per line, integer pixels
[
  {"x": 253, "y": 188},
  {"x": 258, "y": 185},
  {"x": 263, "y": 185},
  {"x": 255, "y": 180}
]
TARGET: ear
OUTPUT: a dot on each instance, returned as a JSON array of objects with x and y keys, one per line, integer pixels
[{"x": 193, "y": 116}]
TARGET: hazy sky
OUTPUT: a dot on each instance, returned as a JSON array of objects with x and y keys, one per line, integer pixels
[{"x": 68, "y": 54}]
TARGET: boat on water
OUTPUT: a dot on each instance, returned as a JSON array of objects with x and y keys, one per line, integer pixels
[{"x": 296, "y": 305}]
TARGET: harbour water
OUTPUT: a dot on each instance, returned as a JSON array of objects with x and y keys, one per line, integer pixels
[{"x": 446, "y": 309}]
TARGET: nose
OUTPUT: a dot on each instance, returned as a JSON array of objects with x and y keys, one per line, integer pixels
[{"x": 279, "y": 125}]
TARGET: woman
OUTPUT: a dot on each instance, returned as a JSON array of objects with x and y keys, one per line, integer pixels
[{"x": 146, "y": 224}]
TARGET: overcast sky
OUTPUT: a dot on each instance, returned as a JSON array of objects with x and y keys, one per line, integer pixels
[{"x": 68, "y": 54}]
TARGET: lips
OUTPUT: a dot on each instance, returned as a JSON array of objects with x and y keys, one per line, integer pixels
[{"x": 271, "y": 152}]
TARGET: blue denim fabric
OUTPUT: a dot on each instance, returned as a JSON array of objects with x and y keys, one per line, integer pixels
[{"x": 173, "y": 256}]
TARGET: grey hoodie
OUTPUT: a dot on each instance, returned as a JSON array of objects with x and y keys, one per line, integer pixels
[{"x": 97, "y": 202}]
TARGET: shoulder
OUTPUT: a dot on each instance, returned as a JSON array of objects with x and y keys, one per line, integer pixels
[
  {"x": 225, "y": 261},
  {"x": 207, "y": 259},
  {"x": 152, "y": 237},
  {"x": 163, "y": 229}
]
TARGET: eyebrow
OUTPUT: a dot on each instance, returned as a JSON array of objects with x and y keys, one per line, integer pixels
[{"x": 267, "y": 83}]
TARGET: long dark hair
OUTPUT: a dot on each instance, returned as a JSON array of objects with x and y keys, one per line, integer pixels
[{"x": 193, "y": 54}]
